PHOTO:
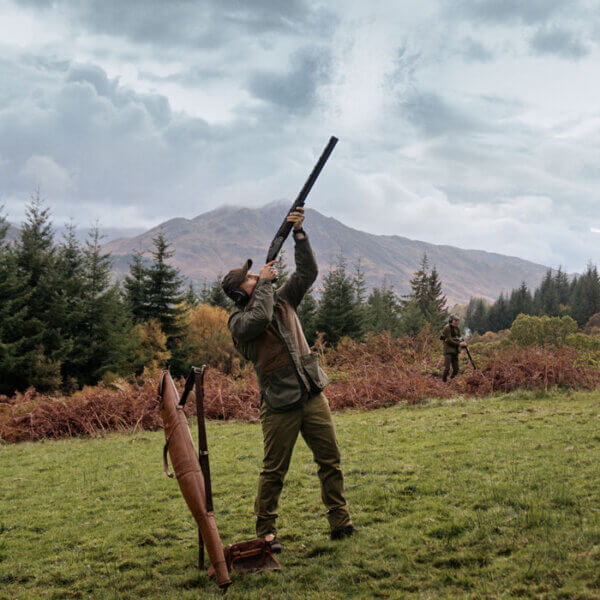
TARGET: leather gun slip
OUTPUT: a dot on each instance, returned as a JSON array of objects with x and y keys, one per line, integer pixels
[{"x": 187, "y": 470}]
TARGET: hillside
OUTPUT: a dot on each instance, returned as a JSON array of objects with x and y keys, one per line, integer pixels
[{"x": 213, "y": 242}]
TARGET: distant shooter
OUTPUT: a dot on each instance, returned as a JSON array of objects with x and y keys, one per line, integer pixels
[
  {"x": 452, "y": 345},
  {"x": 266, "y": 330}
]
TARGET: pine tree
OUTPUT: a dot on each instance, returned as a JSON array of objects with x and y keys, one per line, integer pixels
[
  {"x": 586, "y": 295},
  {"x": 337, "y": 313},
  {"x": 136, "y": 289},
  {"x": 163, "y": 288},
  {"x": 411, "y": 318},
  {"x": 191, "y": 299},
  {"x": 546, "y": 298},
  {"x": 217, "y": 297},
  {"x": 70, "y": 298},
  {"x": 358, "y": 282},
  {"x": 476, "y": 315},
  {"x": 10, "y": 289},
  {"x": 499, "y": 317},
  {"x": 435, "y": 311},
  {"x": 282, "y": 270},
  {"x": 39, "y": 346},
  {"x": 520, "y": 302},
  {"x": 307, "y": 311},
  {"x": 563, "y": 290},
  {"x": 419, "y": 285},
  {"x": 383, "y": 310},
  {"x": 426, "y": 297},
  {"x": 103, "y": 342},
  {"x": 360, "y": 295}
]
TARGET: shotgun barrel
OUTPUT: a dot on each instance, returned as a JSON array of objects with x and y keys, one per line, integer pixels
[{"x": 284, "y": 231}]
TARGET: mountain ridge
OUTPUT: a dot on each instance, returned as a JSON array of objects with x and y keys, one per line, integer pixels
[{"x": 211, "y": 243}]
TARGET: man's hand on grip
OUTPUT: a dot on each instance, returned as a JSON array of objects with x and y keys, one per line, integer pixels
[{"x": 296, "y": 217}]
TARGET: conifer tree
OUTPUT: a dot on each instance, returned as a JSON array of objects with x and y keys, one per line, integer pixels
[
  {"x": 586, "y": 295},
  {"x": 520, "y": 302},
  {"x": 39, "y": 346},
  {"x": 204, "y": 296},
  {"x": 10, "y": 290},
  {"x": 383, "y": 310},
  {"x": 163, "y": 287},
  {"x": 546, "y": 298},
  {"x": 217, "y": 297},
  {"x": 103, "y": 342},
  {"x": 477, "y": 315},
  {"x": 435, "y": 312},
  {"x": 499, "y": 317},
  {"x": 419, "y": 285},
  {"x": 337, "y": 313},
  {"x": 191, "y": 299},
  {"x": 411, "y": 318},
  {"x": 136, "y": 288},
  {"x": 360, "y": 294},
  {"x": 69, "y": 301},
  {"x": 358, "y": 281},
  {"x": 563, "y": 290},
  {"x": 307, "y": 311},
  {"x": 426, "y": 297}
]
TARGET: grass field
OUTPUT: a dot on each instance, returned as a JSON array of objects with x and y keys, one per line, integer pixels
[{"x": 479, "y": 498}]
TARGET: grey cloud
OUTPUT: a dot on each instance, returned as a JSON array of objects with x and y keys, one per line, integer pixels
[
  {"x": 156, "y": 105},
  {"x": 559, "y": 42},
  {"x": 123, "y": 156},
  {"x": 296, "y": 90},
  {"x": 200, "y": 24},
  {"x": 434, "y": 116},
  {"x": 507, "y": 11},
  {"x": 474, "y": 51},
  {"x": 106, "y": 139},
  {"x": 193, "y": 77},
  {"x": 406, "y": 64}
]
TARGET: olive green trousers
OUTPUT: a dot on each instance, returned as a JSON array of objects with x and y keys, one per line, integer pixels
[{"x": 280, "y": 431}]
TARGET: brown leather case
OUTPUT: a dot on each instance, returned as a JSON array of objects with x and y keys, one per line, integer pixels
[
  {"x": 180, "y": 447},
  {"x": 254, "y": 556}
]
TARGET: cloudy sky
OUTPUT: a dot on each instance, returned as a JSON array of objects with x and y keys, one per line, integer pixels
[{"x": 469, "y": 122}]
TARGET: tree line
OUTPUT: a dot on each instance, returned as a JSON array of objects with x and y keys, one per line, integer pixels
[
  {"x": 556, "y": 296},
  {"x": 65, "y": 323}
]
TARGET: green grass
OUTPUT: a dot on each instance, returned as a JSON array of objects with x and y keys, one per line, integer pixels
[{"x": 485, "y": 498}]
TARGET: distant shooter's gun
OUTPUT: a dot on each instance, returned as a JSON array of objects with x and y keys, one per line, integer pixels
[
  {"x": 468, "y": 353},
  {"x": 286, "y": 227}
]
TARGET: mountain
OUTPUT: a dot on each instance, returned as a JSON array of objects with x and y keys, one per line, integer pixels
[{"x": 209, "y": 245}]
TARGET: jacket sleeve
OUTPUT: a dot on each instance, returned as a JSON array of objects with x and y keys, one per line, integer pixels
[
  {"x": 245, "y": 325},
  {"x": 447, "y": 335},
  {"x": 304, "y": 276}
]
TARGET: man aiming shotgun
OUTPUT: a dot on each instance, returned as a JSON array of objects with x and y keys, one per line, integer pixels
[{"x": 266, "y": 330}]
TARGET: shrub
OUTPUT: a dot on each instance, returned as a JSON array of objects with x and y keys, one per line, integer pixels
[
  {"x": 527, "y": 330},
  {"x": 207, "y": 340},
  {"x": 381, "y": 371},
  {"x": 593, "y": 324},
  {"x": 151, "y": 349}
]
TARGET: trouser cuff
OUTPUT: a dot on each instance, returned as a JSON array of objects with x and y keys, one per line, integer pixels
[
  {"x": 339, "y": 517},
  {"x": 264, "y": 527}
]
